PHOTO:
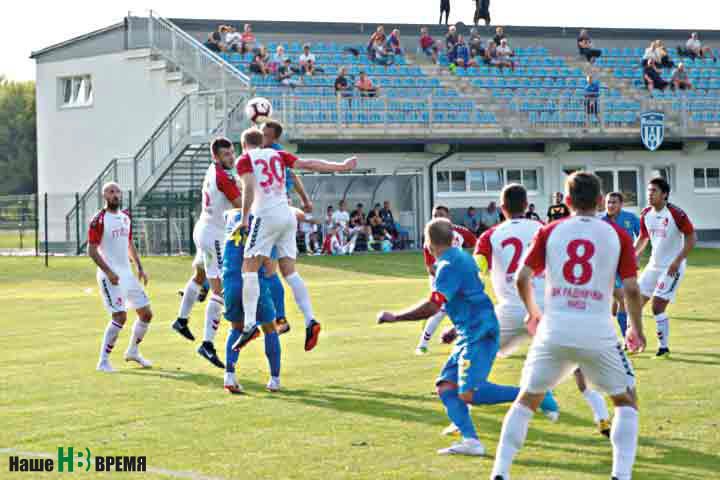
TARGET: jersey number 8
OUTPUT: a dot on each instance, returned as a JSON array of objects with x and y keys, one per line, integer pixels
[{"x": 576, "y": 259}]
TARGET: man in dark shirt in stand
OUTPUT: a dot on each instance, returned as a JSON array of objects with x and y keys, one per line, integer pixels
[{"x": 557, "y": 210}]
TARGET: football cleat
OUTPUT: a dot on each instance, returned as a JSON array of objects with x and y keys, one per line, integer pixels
[
  {"x": 312, "y": 335},
  {"x": 662, "y": 353},
  {"x": 451, "y": 430},
  {"x": 468, "y": 446},
  {"x": 499, "y": 477},
  {"x": 273, "y": 385},
  {"x": 180, "y": 326},
  {"x": 246, "y": 338},
  {"x": 549, "y": 407},
  {"x": 231, "y": 385},
  {"x": 282, "y": 325},
  {"x": 207, "y": 351},
  {"x": 134, "y": 356},
  {"x": 421, "y": 350},
  {"x": 604, "y": 427},
  {"x": 104, "y": 366}
]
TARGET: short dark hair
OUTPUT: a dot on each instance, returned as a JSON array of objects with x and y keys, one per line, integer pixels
[
  {"x": 218, "y": 143},
  {"x": 440, "y": 232},
  {"x": 583, "y": 188},
  {"x": 252, "y": 137},
  {"x": 514, "y": 198},
  {"x": 443, "y": 208},
  {"x": 620, "y": 197},
  {"x": 275, "y": 126},
  {"x": 661, "y": 183}
]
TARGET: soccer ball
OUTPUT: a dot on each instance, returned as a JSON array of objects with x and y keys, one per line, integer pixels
[{"x": 258, "y": 110}]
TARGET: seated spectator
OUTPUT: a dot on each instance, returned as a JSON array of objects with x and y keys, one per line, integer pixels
[
  {"x": 591, "y": 93},
  {"x": 285, "y": 74},
  {"x": 651, "y": 53},
  {"x": 653, "y": 78},
  {"x": 278, "y": 59},
  {"x": 365, "y": 86},
  {"x": 306, "y": 57},
  {"x": 427, "y": 45},
  {"x": 393, "y": 42},
  {"x": 662, "y": 58},
  {"x": 499, "y": 36},
  {"x": 380, "y": 239},
  {"x": 695, "y": 49},
  {"x": 310, "y": 68},
  {"x": 585, "y": 46},
  {"x": 309, "y": 230},
  {"x": 489, "y": 217},
  {"x": 248, "y": 39},
  {"x": 471, "y": 220},
  {"x": 233, "y": 39},
  {"x": 378, "y": 35},
  {"x": 475, "y": 43},
  {"x": 329, "y": 222},
  {"x": 383, "y": 55},
  {"x": 334, "y": 243},
  {"x": 680, "y": 79},
  {"x": 504, "y": 55},
  {"x": 388, "y": 218},
  {"x": 213, "y": 42},
  {"x": 531, "y": 214},
  {"x": 462, "y": 54},
  {"x": 490, "y": 55},
  {"x": 450, "y": 40},
  {"x": 342, "y": 87},
  {"x": 258, "y": 64}
]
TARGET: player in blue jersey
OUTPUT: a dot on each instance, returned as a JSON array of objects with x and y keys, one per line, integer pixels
[
  {"x": 630, "y": 222},
  {"x": 232, "y": 293},
  {"x": 463, "y": 380}
]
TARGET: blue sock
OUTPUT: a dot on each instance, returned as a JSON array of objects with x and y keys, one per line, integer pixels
[
  {"x": 272, "y": 352},
  {"x": 231, "y": 356},
  {"x": 278, "y": 294},
  {"x": 458, "y": 413},
  {"x": 622, "y": 321},
  {"x": 491, "y": 394}
]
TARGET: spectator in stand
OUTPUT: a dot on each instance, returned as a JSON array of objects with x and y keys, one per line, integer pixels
[
  {"x": 471, "y": 220},
  {"x": 680, "y": 79},
  {"x": 499, "y": 36},
  {"x": 248, "y": 39},
  {"x": 365, "y": 86},
  {"x": 383, "y": 54},
  {"x": 308, "y": 229},
  {"x": 380, "y": 239},
  {"x": 489, "y": 217},
  {"x": 310, "y": 68},
  {"x": 233, "y": 39},
  {"x": 462, "y": 54},
  {"x": 662, "y": 58},
  {"x": 334, "y": 243},
  {"x": 475, "y": 43},
  {"x": 427, "y": 45},
  {"x": 258, "y": 64},
  {"x": 393, "y": 42},
  {"x": 482, "y": 10},
  {"x": 444, "y": 8},
  {"x": 285, "y": 74},
  {"x": 694, "y": 48},
  {"x": 341, "y": 218},
  {"x": 504, "y": 55},
  {"x": 558, "y": 209},
  {"x": 306, "y": 57},
  {"x": 653, "y": 78},
  {"x": 531, "y": 214},
  {"x": 342, "y": 87},
  {"x": 213, "y": 42},
  {"x": 378, "y": 35},
  {"x": 357, "y": 227},
  {"x": 591, "y": 93},
  {"x": 451, "y": 39},
  {"x": 585, "y": 46},
  {"x": 490, "y": 55},
  {"x": 329, "y": 221},
  {"x": 388, "y": 218},
  {"x": 278, "y": 59}
]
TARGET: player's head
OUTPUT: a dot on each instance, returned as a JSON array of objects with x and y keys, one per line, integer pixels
[
  {"x": 658, "y": 191},
  {"x": 223, "y": 151},
  {"x": 439, "y": 234},
  {"x": 583, "y": 192},
  {"x": 272, "y": 131},
  {"x": 440, "y": 211},
  {"x": 112, "y": 195},
  {"x": 614, "y": 202},
  {"x": 252, "y": 138},
  {"x": 513, "y": 200}
]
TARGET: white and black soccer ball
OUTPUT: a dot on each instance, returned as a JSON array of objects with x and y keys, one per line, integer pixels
[{"x": 258, "y": 110}]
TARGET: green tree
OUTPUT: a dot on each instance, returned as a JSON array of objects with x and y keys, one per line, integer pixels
[{"x": 18, "y": 147}]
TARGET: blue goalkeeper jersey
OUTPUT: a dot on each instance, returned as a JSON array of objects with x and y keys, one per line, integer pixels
[{"x": 628, "y": 221}]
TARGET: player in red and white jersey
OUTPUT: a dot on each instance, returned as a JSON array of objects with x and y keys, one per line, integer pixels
[
  {"x": 220, "y": 193},
  {"x": 274, "y": 224},
  {"x": 580, "y": 255},
  {"x": 462, "y": 238},
  {"x": 110, "y": 246},
  {"x": 672, "y": 236}
]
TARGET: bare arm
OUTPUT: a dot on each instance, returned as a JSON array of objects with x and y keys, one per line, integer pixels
[
  {"x": 640, "y": 245},
  {"x": 97, "y": 258},
  {"x": 136, "y": 259},
  {"x": 523, "y": 282},
  {"x": 635, "y": 338},
  {"x": 300, "y": 190},
  {"x": 690, "y": 241},
  {"x": 421, "y": 311},
  {"x": 248, "y": 195},
  {"x": 323, "y": 166}
]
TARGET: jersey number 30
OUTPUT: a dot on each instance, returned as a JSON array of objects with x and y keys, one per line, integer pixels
[{"x": 275, "y": 171}]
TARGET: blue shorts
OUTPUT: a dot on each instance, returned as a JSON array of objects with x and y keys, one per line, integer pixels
[
  {"x": 618, "y": 282},
  {"x": 232, "y": 294},
  {"x": 470, "y": 363}
]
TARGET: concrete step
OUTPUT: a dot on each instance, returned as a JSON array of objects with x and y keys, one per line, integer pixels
[
  {"x": 138, "y": 54},
  {"x": 157, "y": 65}
]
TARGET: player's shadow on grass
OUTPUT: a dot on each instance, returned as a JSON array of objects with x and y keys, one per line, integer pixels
[
  {"x": 707, "y": 358},
  {"x": 697, "y": 319},
  {"x": 197, "y": 378}
]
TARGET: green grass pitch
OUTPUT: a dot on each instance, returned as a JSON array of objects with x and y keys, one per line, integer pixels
[{"x": 361, "y": 406}]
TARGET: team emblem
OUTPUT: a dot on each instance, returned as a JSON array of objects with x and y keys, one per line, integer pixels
[{"x": 652, "y": 129}]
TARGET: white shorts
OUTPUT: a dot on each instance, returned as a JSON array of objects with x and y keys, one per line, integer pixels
[
  {"x": 548, "y": 365},
  {"x": 128, "y": 293},
  {"x": 513, "y": 332},
  {"x": 209, "y": 244},
  {"x": 655, "y": 282},
  {"x": 276, "y": 228}
]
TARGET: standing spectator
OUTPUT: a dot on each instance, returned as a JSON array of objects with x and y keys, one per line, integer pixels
[
  {"x": 393, "y": 42},
  {"x": 427, "y": 45},
  {"x": 504, "y": 55},
  {"x": 592, "y": 93},
  {"x": 365, "y": 86},
  {"x": 489, "y": 217},
  {"x": 475, "y": 43},
  {"x": 680, "y": 79},
  {"x": 388, "y": 218},
  {"x": 531, "y": 214},
  {"x": 585, "y": 46},
  {"x": 652, "y": 77},
  {"x": 482, "y": 10},
  {"x": 213, "y": 42},
  {"x": 558, "y": 209},
  {"x": 499, "y": 36},
  {"x": 248, "y": 39},
  {"x": 451, "y": 39},
  {"x": 341, "y": 217},
  {"x": 444, "y": 8},
  {"x": 329, "y": 221},
  {"x": 258, "y": 64},
  {"x": 471, "y": 220},
  {"x": 285, "y": 75},
  {"x": 306, "y": 57},
  {"x": 695, "y": 49}
]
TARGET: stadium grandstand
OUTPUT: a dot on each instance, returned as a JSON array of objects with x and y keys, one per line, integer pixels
[{"x": 138, "y": 102}]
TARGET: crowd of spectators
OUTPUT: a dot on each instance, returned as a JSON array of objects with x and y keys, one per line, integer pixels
[
  {"x": 463, "y": 53},
  {"x": 486, "y": 218}
]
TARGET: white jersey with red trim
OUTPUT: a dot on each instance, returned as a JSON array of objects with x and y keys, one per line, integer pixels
[
  {"x": 462, "y": 238},
  {"x": 269, "y": 167},
  {"x": 504, "y": 247},
  {"x": 112, "y": 233},
  {"x": 580, "y": 256},
  {"x": 218, "y": 192},
  {"x": 666, "y": 230}
]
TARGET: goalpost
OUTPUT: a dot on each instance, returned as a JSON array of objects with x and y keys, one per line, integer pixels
[{"x": 162, "y": 236}]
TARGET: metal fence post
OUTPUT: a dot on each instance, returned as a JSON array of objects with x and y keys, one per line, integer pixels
[
  {"x": 130, "y": 206},
  {"x": 167, "y": 221},
  {"x": 47, "y": 251},
  {"x": 77, "y": 223},
  {"x": 36, "y": 201}
]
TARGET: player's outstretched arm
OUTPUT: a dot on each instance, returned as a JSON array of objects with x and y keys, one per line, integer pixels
[
  {"x": 523, "y": 282},
  {"x": 135, "y": 256},
  {"x": 421, "y": 311},
  {"x": 634, "y": 337},
  {"x": 323, "y": 166},
  {"x": 97, "y": 258}
]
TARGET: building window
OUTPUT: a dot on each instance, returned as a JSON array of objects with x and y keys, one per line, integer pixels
[
  {"x": 707, "y": 178},
  {"x": 76, "y": 91},
  {"x": 486, "y": 180}
]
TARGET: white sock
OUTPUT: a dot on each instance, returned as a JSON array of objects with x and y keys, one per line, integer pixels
[
  {"x": 250, "y": 297},
  {"x": 597, "y": 405},
  {"x": 213, "y": 310},
  {"x": 140, "y": 328},
  {"x": 111, "y": 334},
  {"x": 512, "y": 437},
  {"x": 662, "y": 322},
  {"x": 302, "y": 297},
  {"x": 624, "y": 438},
  {"x": 190, "y": 296},
  {"x": 432, "y": 324}
]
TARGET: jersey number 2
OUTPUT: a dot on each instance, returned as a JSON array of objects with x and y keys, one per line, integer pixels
[
  {"x": 273, "y": 172},
  {"x": 575, "y": 259}
]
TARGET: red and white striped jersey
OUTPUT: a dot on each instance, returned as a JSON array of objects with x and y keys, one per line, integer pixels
[
  {"x": 462, "y": 238},
  {"x": 580, "y": 256},
  {"x": 218, "y": 192},
  {"x": 112, "y": 233},
  {"x": 269, "y": 166},
  {"x": 666, "y": 230},
  {"x": 504, "y": 247}
]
